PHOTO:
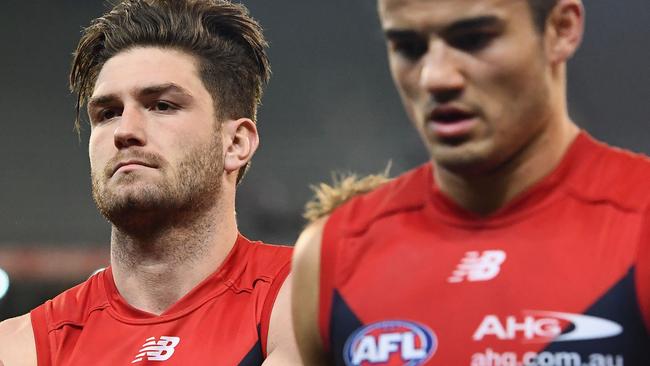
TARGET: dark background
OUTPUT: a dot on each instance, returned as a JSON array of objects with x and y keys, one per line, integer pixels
[{"x": 330, "y": 106}]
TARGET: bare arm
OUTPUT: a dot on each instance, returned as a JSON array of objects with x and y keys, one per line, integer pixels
[
  {"x": 306, "y": 259},
  {"x": 305, "y": 297},
  {"x": 281, "y": 344},
  {"x": 17, "y": 342}
]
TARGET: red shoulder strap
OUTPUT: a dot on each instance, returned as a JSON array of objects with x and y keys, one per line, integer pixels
[{"x": 269, "y": 301}]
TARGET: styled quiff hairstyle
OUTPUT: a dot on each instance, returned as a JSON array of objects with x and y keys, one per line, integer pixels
[{"x": 227, "y": 43}]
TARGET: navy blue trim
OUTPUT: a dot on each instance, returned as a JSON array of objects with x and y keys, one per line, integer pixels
[
  {"x": 254, "y": 357},
  {"x": 620, "y": 304},
  {"x": 346, "y": 323}
]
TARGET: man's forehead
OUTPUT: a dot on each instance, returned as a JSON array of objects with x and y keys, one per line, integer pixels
[
  {"x": 433, "y": 13},
  {"x": 140, "y": 68}
]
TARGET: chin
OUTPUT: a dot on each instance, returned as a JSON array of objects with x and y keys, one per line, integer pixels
[
  {"x": 469, "y": 158},
  {"x": 115, "y": 202}
]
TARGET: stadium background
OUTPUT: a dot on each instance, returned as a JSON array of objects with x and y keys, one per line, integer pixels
[{"x": 330, "y": 106}]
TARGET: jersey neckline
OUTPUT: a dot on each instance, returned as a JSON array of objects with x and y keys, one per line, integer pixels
[{"x": 212, "y": 286}]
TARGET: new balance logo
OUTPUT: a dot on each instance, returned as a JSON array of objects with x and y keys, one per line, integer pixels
[
  {"x": 477, "y": 266},
  {"x": 153, "y": 350}
]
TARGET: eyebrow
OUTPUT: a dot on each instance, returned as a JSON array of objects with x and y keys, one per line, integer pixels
[
  {"x": 478, "y": 22},
  {"x": 108, "y": 99},
  {"x": 164, "y": 88},
  {"x": 457, "y": 26}
]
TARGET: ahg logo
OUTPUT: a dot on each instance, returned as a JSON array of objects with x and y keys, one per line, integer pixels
[
  {"x": 542, "y": 326},
  {"x": 161, "y": 350},
  {"x": 394, "y": 342}
]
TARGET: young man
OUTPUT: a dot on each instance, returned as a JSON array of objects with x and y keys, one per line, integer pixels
[
  {"x": 171, "y": 89},
  {"x": 523, "y": 242}
]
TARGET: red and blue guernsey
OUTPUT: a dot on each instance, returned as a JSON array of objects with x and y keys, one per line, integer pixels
[
  {"x": 223, "y": 321},
  {"x": 558, "y": 277}
]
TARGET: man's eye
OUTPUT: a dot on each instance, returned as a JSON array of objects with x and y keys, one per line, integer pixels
[
  {"x": 410, "y": 49},
  {"x": 474, "y": 41},
  {"x": 163, "y": 106},
  {"x": 107, "y": 114}
]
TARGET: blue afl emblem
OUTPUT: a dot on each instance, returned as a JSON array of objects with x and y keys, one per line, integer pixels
[{"x": 390, "y": 342}]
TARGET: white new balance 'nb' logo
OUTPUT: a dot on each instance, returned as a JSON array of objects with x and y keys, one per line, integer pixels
[
  {"x": 161, "y": 350},
  {"x": 477, "y": 266}
]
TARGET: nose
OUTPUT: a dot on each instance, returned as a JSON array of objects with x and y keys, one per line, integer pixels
[
  {"x": 441, "y": 74},
  {"x": 130, "y": 129}
]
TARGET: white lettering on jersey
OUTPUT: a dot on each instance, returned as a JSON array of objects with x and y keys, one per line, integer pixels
[
  {"x": 390, "y": 341},
  {"x": 379, "y": 349},
  {"x": 161, "y": 350},
  {"x": 477, "y": 266},
  {"x": 542, "y": 326},
  {"x": 529, "y": 328}
]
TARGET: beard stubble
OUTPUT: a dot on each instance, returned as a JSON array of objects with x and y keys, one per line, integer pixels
[{"x": 179, "y": 195}]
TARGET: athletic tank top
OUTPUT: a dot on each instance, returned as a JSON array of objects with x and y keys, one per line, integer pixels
[
  {"x": 560, "y": 276},
  {"x": 223, "y": 321}
]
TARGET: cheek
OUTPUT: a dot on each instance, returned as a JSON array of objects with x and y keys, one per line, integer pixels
[
  {"x": 99, "y": 146},
  {"x": 406, "y": 79},
  {"x": 521, "y": 72},
  {"x": 510, "y": 87}
]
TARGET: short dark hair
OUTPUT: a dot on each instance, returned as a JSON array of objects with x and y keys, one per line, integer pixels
[
  {"x": 226, "y": 41},
  {"x": 540, "y": 10}
]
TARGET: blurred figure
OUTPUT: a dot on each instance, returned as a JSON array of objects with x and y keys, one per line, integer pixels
[
  {"x": 523, "y": 241},
  {"x": 171, "y": 89}
]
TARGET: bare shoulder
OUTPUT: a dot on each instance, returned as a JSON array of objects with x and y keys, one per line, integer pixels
[
  {"x": 306, "y": 262},
  {"x": 305, "y": 293},
  {"x": 309, "y": 241},
  {"x": 306, "y": 274},
  {"x": 17, "y": 340}
]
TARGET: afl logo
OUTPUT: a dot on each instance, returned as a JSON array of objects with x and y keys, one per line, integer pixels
[{"x": 391, "y": 342}]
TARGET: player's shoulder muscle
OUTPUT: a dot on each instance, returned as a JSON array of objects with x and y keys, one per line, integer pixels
[
  {"x": 17, "y": 346},
  {"x": 305, "y": 294}
]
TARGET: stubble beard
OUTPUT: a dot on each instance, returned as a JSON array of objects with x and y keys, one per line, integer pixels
[{"x": 142, "y": 210}]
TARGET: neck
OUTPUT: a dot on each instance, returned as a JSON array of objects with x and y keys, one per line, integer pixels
[{"x": 153, "y": 271}]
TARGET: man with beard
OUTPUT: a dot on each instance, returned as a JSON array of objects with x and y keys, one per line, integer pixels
[
  {"x": 171, "y": 88},
  {"x": 522, "y": 242}
]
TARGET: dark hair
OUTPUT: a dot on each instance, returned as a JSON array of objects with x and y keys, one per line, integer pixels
[
  {"x": 540, "y": 10},
  {"x": 227, "y": 43}
]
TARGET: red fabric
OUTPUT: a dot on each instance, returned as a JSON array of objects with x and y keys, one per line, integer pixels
[
  {"x": 267, "y": 308},
  {"x": 216, "y": 323},
  {"x": 568, "y": 241}
]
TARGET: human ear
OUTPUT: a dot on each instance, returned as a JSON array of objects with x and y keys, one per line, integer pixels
[
  {"x": 240, "y": 143},
  {"x": 564, "y": 30}
]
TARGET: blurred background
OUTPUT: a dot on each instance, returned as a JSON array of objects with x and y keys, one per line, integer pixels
[{"x": 330, "y": 106}]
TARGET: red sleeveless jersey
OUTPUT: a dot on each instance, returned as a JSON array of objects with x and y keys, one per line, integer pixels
[
  {"x": 223, "y": 321},
  {"x": 558, "y": 277}
]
